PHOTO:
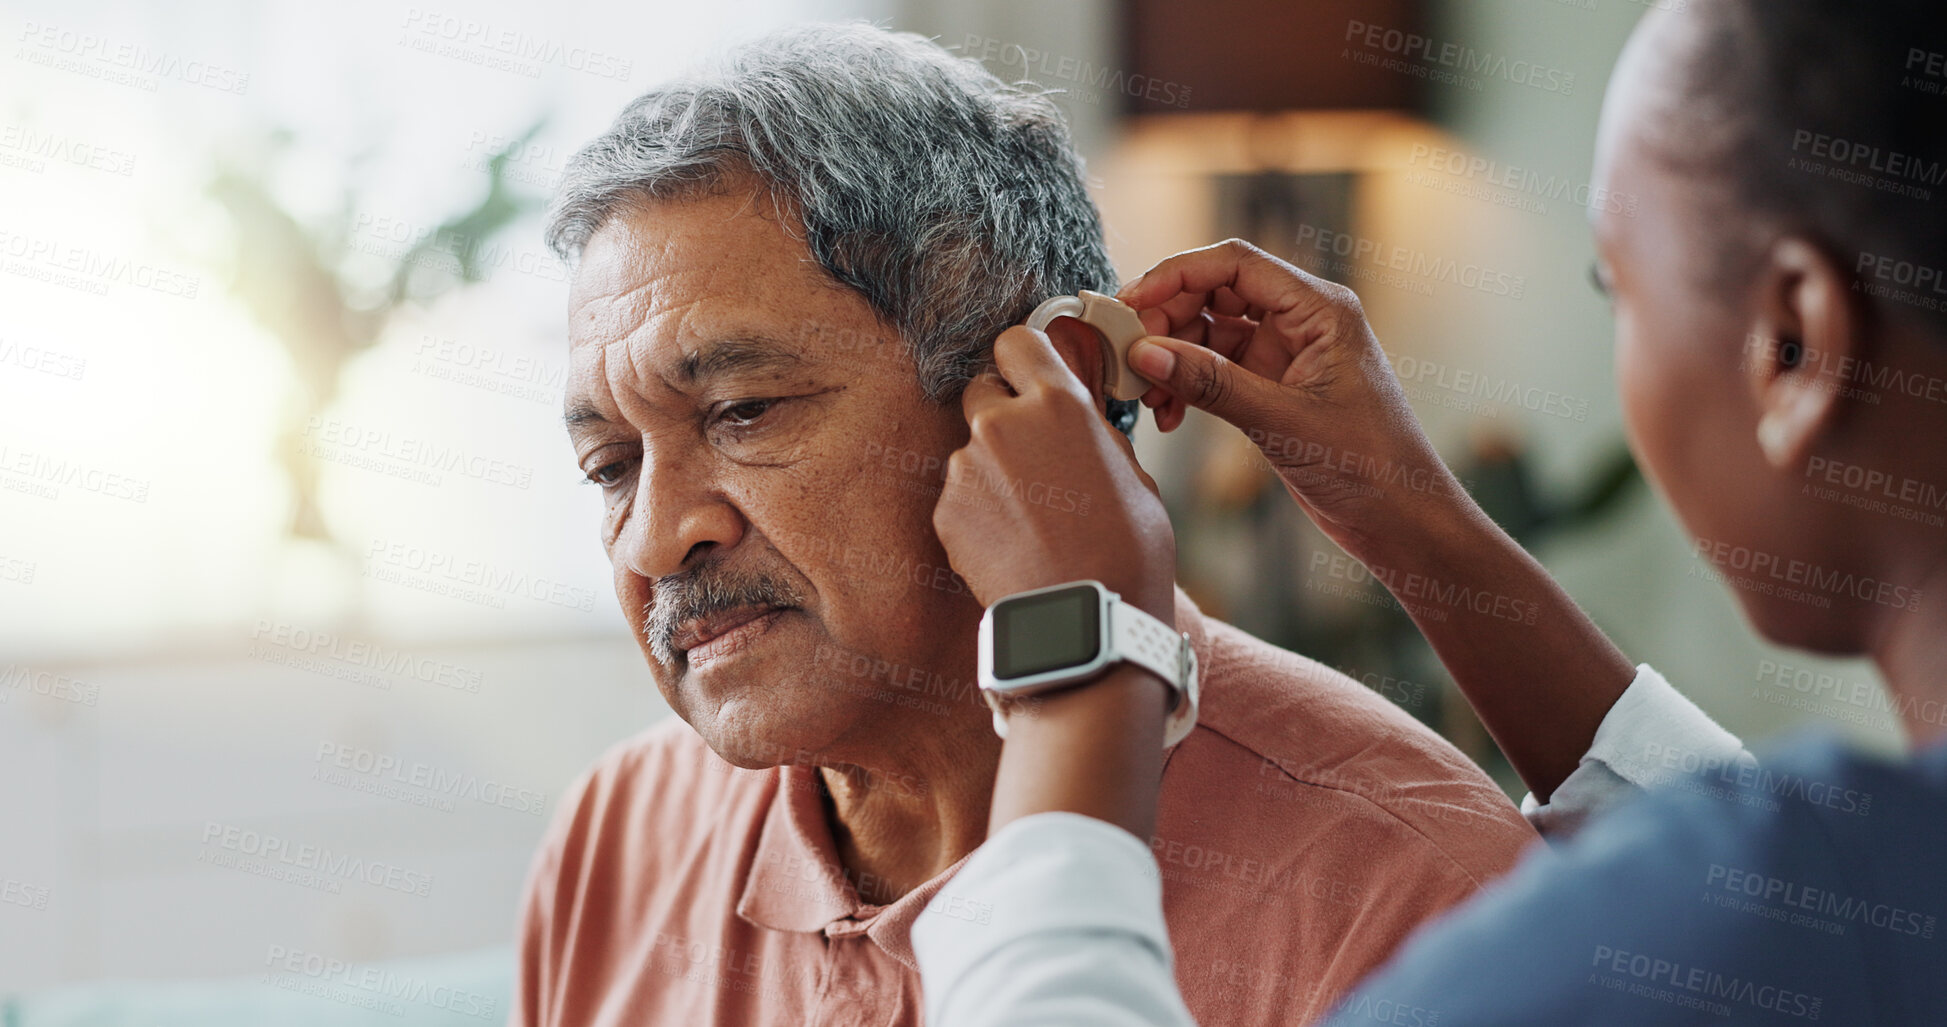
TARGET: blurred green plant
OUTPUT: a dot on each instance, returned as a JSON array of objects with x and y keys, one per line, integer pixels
[{"x": 295, "y": 281}]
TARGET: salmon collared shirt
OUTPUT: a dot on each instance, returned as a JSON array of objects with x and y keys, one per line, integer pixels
[{"x": 1304, "y": 829}]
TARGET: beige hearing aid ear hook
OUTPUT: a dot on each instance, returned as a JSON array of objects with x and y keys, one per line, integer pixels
[{"x": 1119, "y": 327}]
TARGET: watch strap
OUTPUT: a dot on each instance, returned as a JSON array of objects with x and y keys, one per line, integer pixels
[{"x": 1153, "y": 645}]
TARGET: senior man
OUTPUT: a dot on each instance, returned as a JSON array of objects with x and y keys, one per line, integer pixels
[{"x": 786, "y": 269}]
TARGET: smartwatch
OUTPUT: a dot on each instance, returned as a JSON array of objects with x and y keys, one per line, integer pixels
[{"x": 1037, "y": 641}]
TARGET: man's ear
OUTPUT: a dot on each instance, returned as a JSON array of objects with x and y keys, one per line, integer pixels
[
  {"x": 1805, "y": 341},
  {"x": 1081, "y": 349}
]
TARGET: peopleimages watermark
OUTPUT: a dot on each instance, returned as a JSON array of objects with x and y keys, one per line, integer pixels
[
  {"x": 120, "y": 62},
  {"x": 1802, "y": 905},
  {"x": 1420, "y": 594},
  {"x": 43, "y": 360},
  {"x": 1838, "y": 698},
  {"x": 448, "y": 250},
  {"x": 1483, "y": 393},
  {"x": 517, "y": 375},
  {"x": 30, "y": 150},
  {"x": 418, "y": 783},
  {"x": 303, "y": 863},
  {"x": 367, "y": 986},
  {"x": 522, "y": 160},
  {"x": 1796, "y": 580},
  {"x": 42, "y": 475},
  {"x": 402, "y": 456},
  {"x": 1843, "y": 375},
  {"x": 1874, "y": 491},
  {"x": 1051, "y": 67},
  {"x": 89, "y": 270},
  {"x": 1902, "y": 281},
  {"x": 1448, "y": 62},
  {"x": 309, "y": 649},
  {"x": 1344, "y": 255},
  {"x": 1862, "y": 164},
  {"x": 1521, "y": 188},
  {"x": 1380, "y": 1009},
  {"x": 927, "y": 474},
  {"x": 900, "y": 684},
  {"x": 502, "y": 48},
  {"x": 1398, "y": 691},
  {"x": 475, "y": 581},
  {"x": 17, "y": 571},
  {"x": 883, "y": 563},
  {"x": 1743, "y": 781},
  {"x": 24, "y": 895},
  {"x": 1308, "y": 463},
  {"x": 809, "y": 875},
  {"x": 1381, "y": 599},
  {"x": 960, "y": 907},
  {"x": 1926, "y": 70},
  {"x": 1693, "y": 987},
  {"x": 1205, "y": 867},
  {"x": 1266, "y": 983},
  {"x": 717, "y": 966},
  {"x": 18, "y": 677}
]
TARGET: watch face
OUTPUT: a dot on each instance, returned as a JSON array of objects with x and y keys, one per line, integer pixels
[{"x": 1047, "y": 632}]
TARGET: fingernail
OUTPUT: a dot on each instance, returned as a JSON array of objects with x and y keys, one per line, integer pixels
[
  {"x": 1130, "y": 286},
  {"x": 1152, "y": 361}
]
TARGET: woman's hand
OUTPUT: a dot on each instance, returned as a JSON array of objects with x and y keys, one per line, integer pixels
[
  {"x": 1045, "y": 492},
  {"x": 1290, "y": 359}
]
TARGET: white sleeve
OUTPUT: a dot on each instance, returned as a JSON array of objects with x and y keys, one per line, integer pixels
[
  {"x": 1650, "y": 729},
  {"x": 1056, "y": 920}
]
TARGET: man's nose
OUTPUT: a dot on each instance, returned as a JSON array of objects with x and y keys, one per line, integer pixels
[{"x": 679, "y": 514}]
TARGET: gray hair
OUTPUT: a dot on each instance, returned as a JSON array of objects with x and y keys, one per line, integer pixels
[{"x": 952, "y": 201}]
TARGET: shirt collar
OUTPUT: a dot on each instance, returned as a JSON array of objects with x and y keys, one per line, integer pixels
[{"x": 795, "y": 882}]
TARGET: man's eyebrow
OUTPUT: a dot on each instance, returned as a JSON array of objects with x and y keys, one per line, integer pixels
[
  {"x": 708, "y": 361},
  {"x": 742, "y": 354},
  {"x": 582, "y": 414}
]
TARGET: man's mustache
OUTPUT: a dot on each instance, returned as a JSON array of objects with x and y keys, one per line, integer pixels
[{"x": 702, "y": 591}]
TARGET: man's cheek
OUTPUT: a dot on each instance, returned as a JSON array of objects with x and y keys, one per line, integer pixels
[
  {"x": 613, "y": 518},
  {"x": 632, "y": 597}
]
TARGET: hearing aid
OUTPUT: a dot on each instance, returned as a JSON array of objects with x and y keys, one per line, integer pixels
[{"x": 1118, "y": 325}]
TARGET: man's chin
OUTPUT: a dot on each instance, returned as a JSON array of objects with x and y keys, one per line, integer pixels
[
  {"x": 763, "y": 738},
  {"x": 757, "y": 704}
]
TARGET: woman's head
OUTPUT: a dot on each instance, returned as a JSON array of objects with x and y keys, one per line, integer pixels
[{"x": 1781, "y": 313}]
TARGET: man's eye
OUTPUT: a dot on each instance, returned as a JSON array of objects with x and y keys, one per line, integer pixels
[
  {"x": 607, "y": 474},
  {"x": 744, "y": 412}
]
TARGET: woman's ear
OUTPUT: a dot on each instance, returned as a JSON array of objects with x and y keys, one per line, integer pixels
[
  {"x": 1082, "y": 349},
  {"x": 1802, "y": 350}
]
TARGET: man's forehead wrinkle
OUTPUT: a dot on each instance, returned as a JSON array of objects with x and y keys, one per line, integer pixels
[
  {"x": 644, "y": 347},
  {"x": 604, "y": 321},
  {"x": 752, "y": 354},
  {"x": 588, "y": 392}
]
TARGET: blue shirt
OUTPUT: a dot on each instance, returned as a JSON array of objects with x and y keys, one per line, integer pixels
[{"x": 1805, "y": 890}]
